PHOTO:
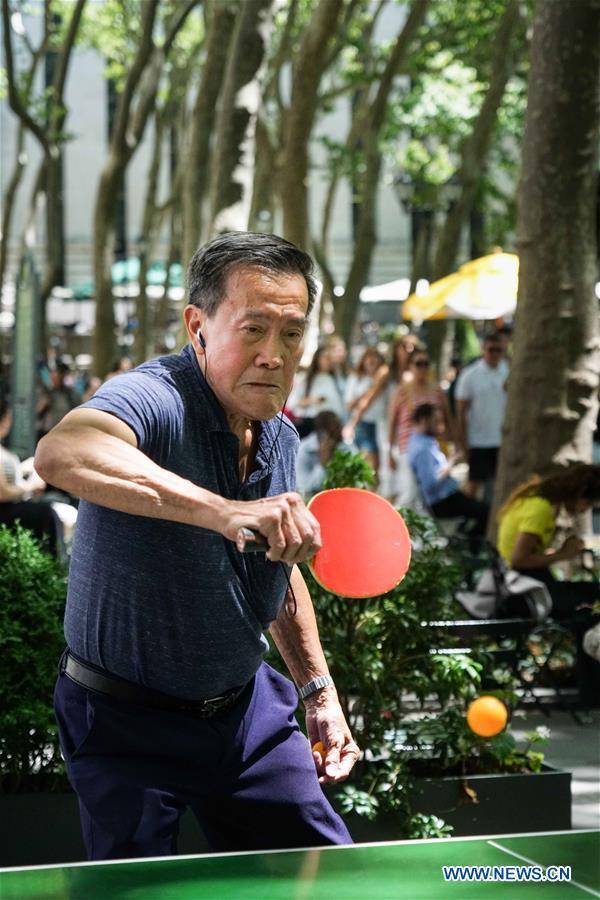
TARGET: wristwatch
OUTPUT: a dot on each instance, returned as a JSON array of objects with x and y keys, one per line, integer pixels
[{"x": 315, "y": 685}]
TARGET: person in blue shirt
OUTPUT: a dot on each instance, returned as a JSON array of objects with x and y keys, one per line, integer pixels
[
  {"x": 164, "y": 700},
  {"x": 316, "y": 450},
  {"x": 440, "y": 491}
]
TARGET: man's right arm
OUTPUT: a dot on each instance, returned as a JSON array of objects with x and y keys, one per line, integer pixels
[
  {"x": 462, "y": 414},
  {"x": 94, "y": 455}
]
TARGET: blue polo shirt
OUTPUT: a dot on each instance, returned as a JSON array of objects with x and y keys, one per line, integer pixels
[
  {"x": 427, "y": 460},
  {"x": 171, "y": 606}
]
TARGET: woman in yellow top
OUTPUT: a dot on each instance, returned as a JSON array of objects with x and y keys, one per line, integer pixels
[
  {"x": 527, "y": 522},
  {"x": 526, "y": 526}
]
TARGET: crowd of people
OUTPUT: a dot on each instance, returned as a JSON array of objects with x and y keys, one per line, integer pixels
[
  {"x": 405, "y": 422},
  {"x": 393, "y": 410},
  {"x": 24, "y": 496},
  {"x": 417, "y": 433}
]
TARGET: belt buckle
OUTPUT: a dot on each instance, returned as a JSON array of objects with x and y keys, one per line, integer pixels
[{"x": 213, "y": 705}]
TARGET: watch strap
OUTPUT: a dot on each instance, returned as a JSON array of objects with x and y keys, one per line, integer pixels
[{"x": 315, "y": 685}]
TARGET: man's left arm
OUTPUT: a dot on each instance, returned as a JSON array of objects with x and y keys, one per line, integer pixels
[{"x": 297, "y": 639}]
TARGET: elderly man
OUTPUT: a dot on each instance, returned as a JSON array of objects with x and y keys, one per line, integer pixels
[{"x": 164, "y": 700}]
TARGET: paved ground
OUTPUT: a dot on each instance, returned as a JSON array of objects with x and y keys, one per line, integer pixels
[{"x": 573, "y": 747}]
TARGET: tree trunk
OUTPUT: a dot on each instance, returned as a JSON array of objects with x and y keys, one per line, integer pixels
[
  {"x": 270, "y": 129},
  {"x": 54, "y": 269},
  {"x": 147, "y": 243},
  {"x": 55, "y": 252},
  {"x": 123, "y": 144},
  {"x": 233, "y": 165},
  {"x": 306, "y": 76},
  {"x": 262, "y": 207},
  {"x": 422, "y": 225},
  {"x": 219, "y": 29},
  {"x": 104, "y": 341},
  {"x": 130, "y": 123},
  {"x": 9, "y": 199},
  {"x": 473, "y": 158},
  {"x": 49, "y": 137},
  {"x": 346, "y": 311},
  {"x": 553, "y": 384}
]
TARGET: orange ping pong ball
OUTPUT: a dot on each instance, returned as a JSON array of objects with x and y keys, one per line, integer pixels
[
  {"x": 319, "y": 747},
  {"x": 487, "y": 716}
]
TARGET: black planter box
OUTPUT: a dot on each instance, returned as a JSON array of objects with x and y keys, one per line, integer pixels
[
  {"x": 506, "y": 803},
  {"x": 40, "y": 829}
]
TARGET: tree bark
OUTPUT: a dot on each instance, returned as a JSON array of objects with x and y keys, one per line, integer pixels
[
  {"x": 146, "y": 248},
  {"x": 233, "y": 163},
  {"x": 269, "y": 130},
  {"x": 172, "y": 112},
  {"x": 54, "y": 273},
  {"x": 220, "y": 23},
  {"x": 20, "y": 152},
  {"x": 307, "y": 71},
  {"x": 262, "y": 206},
  {"x": 358, "y": 125},
  {"x": 476, "y": 147},
  {"x": 130, "y": 123},
  {"x": 473, "y": 158},
  {"x": 49, "y": 136},
  {"x": 553, "y": 384},
  {"x": 9, "y": 199},
  {"x": 345, "y": 313}
]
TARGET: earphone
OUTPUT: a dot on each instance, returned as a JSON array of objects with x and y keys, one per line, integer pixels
[{"x": 201, "y": 340}]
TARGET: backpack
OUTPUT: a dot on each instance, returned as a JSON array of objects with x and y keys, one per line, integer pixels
[{"x": 502, "y": 592}]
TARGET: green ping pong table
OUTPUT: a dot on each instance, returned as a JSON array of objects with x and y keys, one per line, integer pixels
[{"x": 560, "y": 865}]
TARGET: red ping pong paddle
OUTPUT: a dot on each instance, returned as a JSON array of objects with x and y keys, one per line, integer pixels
[{"x": 366, "y": 545}]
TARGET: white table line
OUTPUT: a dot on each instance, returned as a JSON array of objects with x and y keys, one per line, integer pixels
[{"x": 533, "y": 862}]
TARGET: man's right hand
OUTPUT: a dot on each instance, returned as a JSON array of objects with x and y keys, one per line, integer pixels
[{"x": 287, "y": 525}]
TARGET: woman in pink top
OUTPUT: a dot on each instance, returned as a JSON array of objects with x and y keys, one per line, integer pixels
[{"x": 410, "y": 394}]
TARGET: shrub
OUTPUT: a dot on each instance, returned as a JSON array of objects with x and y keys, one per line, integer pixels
[
  {"x": 32, "y": 600},
  {"x": 381, "y": 651}
]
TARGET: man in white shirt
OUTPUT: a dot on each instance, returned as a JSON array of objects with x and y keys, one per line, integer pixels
[{"x": 480, "y": 405}]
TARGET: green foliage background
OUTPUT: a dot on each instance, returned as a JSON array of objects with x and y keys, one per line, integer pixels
[
  {"x": 389, "y": 661},
  {"x": 32, "y": 601}
]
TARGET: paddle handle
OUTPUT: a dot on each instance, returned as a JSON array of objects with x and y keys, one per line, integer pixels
[{"x": 248, "y": 541}]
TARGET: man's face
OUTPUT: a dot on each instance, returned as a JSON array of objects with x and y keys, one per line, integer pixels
[
  {"x": 253, "y": 341},
  {"x": 492, "y": 353}
]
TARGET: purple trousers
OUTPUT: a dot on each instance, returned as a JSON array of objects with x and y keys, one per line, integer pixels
[{"x": 248, "y": 774}]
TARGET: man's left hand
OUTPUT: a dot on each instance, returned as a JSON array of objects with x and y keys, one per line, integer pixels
[{"x": 325, "y": 722}]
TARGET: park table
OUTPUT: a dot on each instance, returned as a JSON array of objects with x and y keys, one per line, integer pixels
[{"x": 562, "y": 865}]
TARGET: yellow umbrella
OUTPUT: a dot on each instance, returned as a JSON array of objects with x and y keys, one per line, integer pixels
[{"x": 484, "y": 288}]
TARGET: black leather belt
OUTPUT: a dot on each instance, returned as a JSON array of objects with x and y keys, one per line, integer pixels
[{"x": 101, "y": 682}]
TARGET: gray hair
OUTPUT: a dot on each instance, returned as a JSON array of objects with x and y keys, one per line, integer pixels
[{"x": 212, "y": 263}]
